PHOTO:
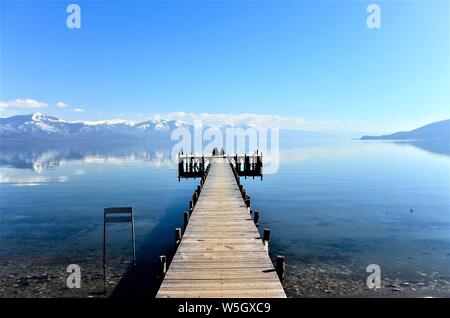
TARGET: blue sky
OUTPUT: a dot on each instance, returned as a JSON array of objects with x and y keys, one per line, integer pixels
[{"x": 315, "y": 64}]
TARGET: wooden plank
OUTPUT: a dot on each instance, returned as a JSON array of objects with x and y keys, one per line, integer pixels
[
  {"x": 222, "y": 293},
  {"x": 221, "y": 253}
]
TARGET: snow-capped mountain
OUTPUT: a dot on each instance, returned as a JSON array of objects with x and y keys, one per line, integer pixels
[
  {"x": 40, "y": 127},
  {"x": 43, "y": 127}
]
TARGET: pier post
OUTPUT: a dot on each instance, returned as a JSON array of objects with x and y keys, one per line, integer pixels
[
  {"x": 266, "y": 239},
  {"x": 194, "y": 198},
  {"x": 266, "y": 235},
  {"x": 177, "y": 236},
  {"x": 279, "y": 267},
  {"x": 162, "y": 265},
  {"x": 203, "y": 164},
  {"x": 186, "y": 219},
  {"x": 256, "y": 217},
  {"x": 247, "y": 201}
]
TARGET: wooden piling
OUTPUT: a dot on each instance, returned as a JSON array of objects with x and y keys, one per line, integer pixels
[
  {"x": 266, "y": 235},
  {"x": 247, "y": 201},
  {"x": 177, "y": 235},
  {"x": 162, "y": 265},
  {"x": 256, "y": 217},
  {"x": 266, "y": 239},
  {"x": 186, "y": 219},
  {"x": 194, "y": 198},
  {"x": 280, "y": 267}
]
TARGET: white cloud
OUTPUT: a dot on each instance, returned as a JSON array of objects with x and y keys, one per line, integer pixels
[
  {"x": 257, "y": 120},
  {"x": 78, "y": 110},
  {"x": 22, "y": 103},
  {"x": 62, "y": 105}
]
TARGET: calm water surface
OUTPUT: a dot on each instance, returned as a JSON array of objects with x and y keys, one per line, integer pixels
[{"x": 341, "y": 205}]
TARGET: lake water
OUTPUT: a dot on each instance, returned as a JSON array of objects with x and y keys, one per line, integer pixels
[{"x": 333, "y": 208}]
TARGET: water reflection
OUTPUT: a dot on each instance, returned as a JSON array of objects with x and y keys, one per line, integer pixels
[
  {"x": 39, "y": 157},
  {"x": 440, "y": 146}
]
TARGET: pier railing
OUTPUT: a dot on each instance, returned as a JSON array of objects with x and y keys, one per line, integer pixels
[{"x": 194, "y": 166}]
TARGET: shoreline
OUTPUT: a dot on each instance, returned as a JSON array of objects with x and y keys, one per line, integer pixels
[{"x": 46, "y": 278}]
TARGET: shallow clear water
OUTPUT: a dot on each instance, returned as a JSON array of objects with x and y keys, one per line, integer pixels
[{"x": 348, "y": 203}]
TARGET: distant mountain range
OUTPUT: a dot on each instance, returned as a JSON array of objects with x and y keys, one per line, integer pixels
[
  {"x": 437, "y": 131},
  {"x": 40, "y": 127}
]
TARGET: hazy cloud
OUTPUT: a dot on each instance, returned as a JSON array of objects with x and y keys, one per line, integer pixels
[
  {"x": 22, "y": 103},
  {"x": 62, "y": 105},
  {"x": 257, "y": 120}
]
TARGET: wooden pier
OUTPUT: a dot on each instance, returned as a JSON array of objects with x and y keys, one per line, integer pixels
[{"x": 221, "y": 253}]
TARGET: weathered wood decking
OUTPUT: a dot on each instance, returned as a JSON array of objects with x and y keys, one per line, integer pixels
[{"x": 221, "y": 253}]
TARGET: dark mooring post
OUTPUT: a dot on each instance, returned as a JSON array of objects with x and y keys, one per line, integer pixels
[
  {"x": 266, "y": 239},
  {"x": 259, "y": 166},
  {"x": 191, "y": 205},
  {"x": 256, "y": 217},
  {"x": 279, "y": 267},
  {"x": 186, "y": 219},
  {"x": 247, "y": 201},
  {"x": 203, "y": 165},
  {"x": 266, "y": 235},
  {"x": 247, "y": 164},
  {"x": 162, "y": 265},
  {"x": 177, "y": 236}
]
